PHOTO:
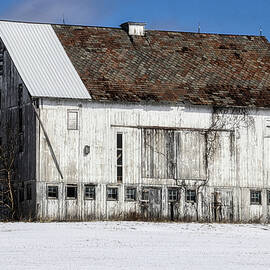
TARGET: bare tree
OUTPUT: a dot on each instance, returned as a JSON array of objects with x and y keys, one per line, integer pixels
[{"x": 9, "y": 147}]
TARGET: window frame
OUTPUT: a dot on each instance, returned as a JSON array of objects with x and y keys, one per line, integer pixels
[
  {"x": 76, "y": 191},
  {"x": 57, "y": 192},
  {"x": 259, "y": 197},
  {"x": 77, "y": 119},
  {"x": 119, "y": 161},
  {"x": 84, "y": 192},
  {"x": 135, "y": 194},
  {"x": 107, "y": 194},
  {"x": 177, "y": 194},
  {"x": 188, "y": 196},
  {"x": 268, "y": 197},
  {"x": 145, "y": 190}
]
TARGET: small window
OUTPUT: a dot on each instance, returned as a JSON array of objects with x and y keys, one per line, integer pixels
[
  {"x": 145, "y": 194},
  {"x": 119, "y": 155},
  {"x": 255, "y": 197},
  {"x": 268, "y": 197},
  {"x": 71, "y": 192},
  {"x": 73, "y": 120},
  {"x": 130, "y": 194},
  {"x": 191, "y": 195},
  {"x": 89, "y": 192},
  {"x": 112, "y": 194},
  {"x": 52, "y": 192},
  {"x": 28, "y": 192},
  {"x": 172, "y": 194}
]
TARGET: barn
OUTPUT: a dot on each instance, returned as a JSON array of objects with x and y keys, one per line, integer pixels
[{"x": 129, "y": 123}]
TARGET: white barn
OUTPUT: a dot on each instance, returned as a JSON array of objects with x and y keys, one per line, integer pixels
[{"x": 128, "y": 123}]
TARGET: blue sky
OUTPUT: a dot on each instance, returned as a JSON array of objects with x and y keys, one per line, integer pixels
[{"x": 227, "y": 16}]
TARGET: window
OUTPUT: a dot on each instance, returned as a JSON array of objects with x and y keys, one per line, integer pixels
[
  {"x": 130, "y": 194},
  {"x": 89, "y": 192},
  {"x": 112, "y": 194},
  {"x": 255, "y": 197},
  {"x": 52, "y": 192},
  {"x": 172, "y": 194},
  {"x": 145, "y": 194},
  {"x": 191, "y": 195},
  {"x": 73, "y": 120},
  {"x": 268, "y": 196},
  {"x": 0, "y": 99},
  {"x": 28, "y": 192},
  {"x": 71, "y": 192},
  {"x": 119, "y": 157}
]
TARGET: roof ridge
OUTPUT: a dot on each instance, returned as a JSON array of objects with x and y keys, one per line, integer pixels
[{"x": 147, "y": 30}]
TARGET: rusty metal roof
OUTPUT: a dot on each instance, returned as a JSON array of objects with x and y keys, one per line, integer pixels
[{"x": 162, "y": 66}]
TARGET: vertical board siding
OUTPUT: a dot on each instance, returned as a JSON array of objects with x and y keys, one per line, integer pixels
[
  {"x": 157, "y": 154},
  {"x": 153, "y": 158},
  {"x": 191, "y": 155}
]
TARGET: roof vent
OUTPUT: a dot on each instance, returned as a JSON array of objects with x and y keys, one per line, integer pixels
[{"x": 134, "y": 28}]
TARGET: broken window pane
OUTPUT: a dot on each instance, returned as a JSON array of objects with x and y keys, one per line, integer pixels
[
  {"x": 130, "y": 194},
  {"x": 112, "y": 194},
  {"x": 191, "y": 195},
  {"x": 255, "y": 197},
  {"x": 71, "y": 192},
  {"x": 89, "y": 192},
  {"x": 52, "y": 192}
]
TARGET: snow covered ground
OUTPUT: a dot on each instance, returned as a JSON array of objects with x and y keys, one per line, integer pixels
[{"x": 134, "y": 245}]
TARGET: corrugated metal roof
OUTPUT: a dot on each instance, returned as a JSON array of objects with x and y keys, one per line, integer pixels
[{"x": 42, "y": 61}]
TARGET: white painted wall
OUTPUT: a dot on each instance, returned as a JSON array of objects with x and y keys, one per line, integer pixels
[{"x": 240, "y": 163}]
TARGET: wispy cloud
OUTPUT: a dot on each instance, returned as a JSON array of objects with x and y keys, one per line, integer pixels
[{"x": 74, "y": 11}]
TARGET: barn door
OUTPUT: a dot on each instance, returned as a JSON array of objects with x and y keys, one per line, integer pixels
[
  {"x": 151, "y": 202},
  {"x": 222, "y": 205}
]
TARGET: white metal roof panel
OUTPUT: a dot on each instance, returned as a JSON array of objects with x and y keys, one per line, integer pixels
[{"x": 42, "y": 61}]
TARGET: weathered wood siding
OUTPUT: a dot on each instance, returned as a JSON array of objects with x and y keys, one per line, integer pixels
[
  {"x": 163, "y": 146},
  {"x": 25, "y": 161}
]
